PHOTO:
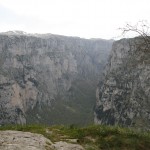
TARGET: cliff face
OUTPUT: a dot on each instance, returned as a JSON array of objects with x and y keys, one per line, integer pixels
[
  {"x": 124, "y": 95},
  {"x": 48, "y": 78}
]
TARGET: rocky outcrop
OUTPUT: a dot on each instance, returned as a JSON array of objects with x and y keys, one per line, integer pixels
[
  {"x": 49, "y": 78},
  {"x": 124, "y": 95},
  {"x": 66, "y": 146},
  {"x": 18, "y": 140}
]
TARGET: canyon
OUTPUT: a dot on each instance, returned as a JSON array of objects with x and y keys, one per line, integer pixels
[{"x": 49, "y": 79}]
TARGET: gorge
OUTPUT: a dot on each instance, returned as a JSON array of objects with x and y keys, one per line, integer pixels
[
  {"x": 52, "y": 79},
  {"x": 49, "y": 79}
]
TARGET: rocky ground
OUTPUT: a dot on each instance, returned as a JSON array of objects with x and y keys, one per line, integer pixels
[
  {"x": 96, "y": 137},
  {"x": 18, "y": 140}
]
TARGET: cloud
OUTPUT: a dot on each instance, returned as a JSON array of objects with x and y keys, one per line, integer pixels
[{"x": 84, "y": 18}]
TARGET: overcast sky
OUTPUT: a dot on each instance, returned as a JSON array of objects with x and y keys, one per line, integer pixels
[{"x": 83, "y": 18}]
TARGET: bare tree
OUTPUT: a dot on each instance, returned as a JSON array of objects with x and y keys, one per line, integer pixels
[{"x": 141, "y": 29}]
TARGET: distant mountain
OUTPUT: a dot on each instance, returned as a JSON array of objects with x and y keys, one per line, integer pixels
[{"x": 48, "y": 78}]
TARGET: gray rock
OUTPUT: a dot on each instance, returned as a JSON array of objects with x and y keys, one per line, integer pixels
[
  {"x": 42, "y": 74},
  {"x": 123, "y": 98},
  {"x": 18, "y": 140},
  {"x": 66, "y": 146}
]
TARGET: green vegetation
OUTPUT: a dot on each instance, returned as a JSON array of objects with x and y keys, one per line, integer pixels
[
  {"x": 74, "y": 108},
  {"x": 92, "y": 137}
]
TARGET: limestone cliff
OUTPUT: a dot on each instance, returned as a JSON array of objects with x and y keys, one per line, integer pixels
[
  {"x": 124, "y": 95},
  {"x": 49, "y": 78}
]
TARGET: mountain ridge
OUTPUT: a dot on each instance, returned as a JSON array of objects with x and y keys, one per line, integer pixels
[{"x": 44, "y": 35}]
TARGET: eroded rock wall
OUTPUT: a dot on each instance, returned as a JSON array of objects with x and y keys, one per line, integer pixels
[
  {"x": 38, "y": 72},
  {"x": 123, "y": 98}
]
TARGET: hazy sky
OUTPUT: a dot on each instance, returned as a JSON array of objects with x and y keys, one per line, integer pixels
[{"x": 83, "y": 18}]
